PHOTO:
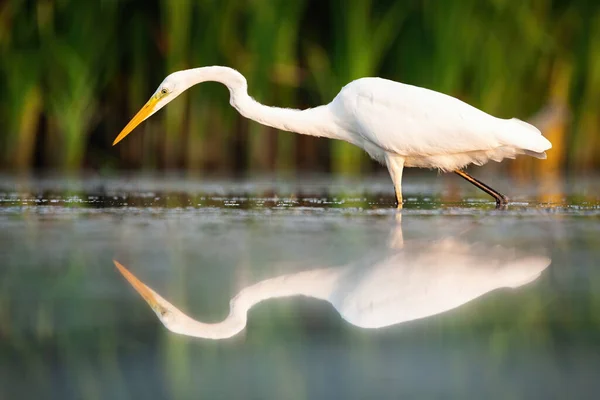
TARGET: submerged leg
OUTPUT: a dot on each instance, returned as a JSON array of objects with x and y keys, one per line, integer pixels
[
  {"x": 395, "y": 166},
  {"x": 501, "y": 200}
]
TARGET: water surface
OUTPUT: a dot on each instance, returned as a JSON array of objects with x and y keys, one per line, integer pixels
[{"x": 72, "y": 327}]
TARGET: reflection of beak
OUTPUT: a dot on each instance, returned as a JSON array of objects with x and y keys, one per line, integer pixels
[
  {"x": 142, "y": 289},
  {"x": 139, "y": 117}
]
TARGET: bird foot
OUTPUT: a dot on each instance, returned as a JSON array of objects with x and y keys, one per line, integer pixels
[
  {"x": 399, "y": 202},
  {"x": 501, "y": 202}
]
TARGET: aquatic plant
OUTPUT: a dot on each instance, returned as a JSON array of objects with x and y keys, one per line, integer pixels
[{"x": 73, "y": 72}]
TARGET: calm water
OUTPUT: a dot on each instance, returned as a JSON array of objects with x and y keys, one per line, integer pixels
[{"x": 457, "y": 300}]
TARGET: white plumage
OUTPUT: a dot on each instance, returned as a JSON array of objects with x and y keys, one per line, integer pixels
[
  {"x": 428, "y": 129},
  {"x": 397, "y": 124}
]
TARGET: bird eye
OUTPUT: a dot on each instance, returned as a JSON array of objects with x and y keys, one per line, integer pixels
[{"x": 164, "y": 91}]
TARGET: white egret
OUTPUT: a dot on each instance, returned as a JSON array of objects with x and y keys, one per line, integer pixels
[
  {"x": 398, "y": 125},
  {"x": 413, "y": 282}
]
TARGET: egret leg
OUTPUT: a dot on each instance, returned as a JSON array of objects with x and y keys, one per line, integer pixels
[
  {"x": 501, "y": 200},
  {"x": 395, "y": 166}
]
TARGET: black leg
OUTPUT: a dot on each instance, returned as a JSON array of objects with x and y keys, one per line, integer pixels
[{"x": 501, "y": 200}]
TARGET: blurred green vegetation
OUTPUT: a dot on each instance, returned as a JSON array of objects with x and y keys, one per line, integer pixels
[{"x": 74, "y": 72}]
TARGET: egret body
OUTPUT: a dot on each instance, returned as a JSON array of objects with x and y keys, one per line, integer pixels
[{"x": 398, "y": 125}]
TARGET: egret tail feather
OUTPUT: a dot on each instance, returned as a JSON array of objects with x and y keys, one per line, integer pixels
[
  {"x": 527, "y": 137},
  {"x": 541, "y": 156}
]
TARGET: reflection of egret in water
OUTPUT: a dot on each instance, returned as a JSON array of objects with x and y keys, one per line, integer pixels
[{"x": 414, "y": 281}]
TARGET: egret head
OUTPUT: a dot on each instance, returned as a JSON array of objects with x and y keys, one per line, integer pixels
[{"x": 170, "y": 88}]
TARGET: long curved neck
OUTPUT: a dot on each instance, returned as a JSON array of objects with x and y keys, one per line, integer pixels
[
  {"x": 316, "y": 121},
  {"x": 318, "y": 283}
]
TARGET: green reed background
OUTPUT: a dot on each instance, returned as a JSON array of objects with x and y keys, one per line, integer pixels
[{"x": 74, "y": 72}]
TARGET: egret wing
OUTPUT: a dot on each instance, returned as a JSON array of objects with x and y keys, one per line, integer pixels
[{"x": 412, "y": 121}]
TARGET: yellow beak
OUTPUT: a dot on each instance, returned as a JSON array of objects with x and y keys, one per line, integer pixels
[
  {"x": 142, "y": 289},
  {"x": 139, "y": 117}
]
